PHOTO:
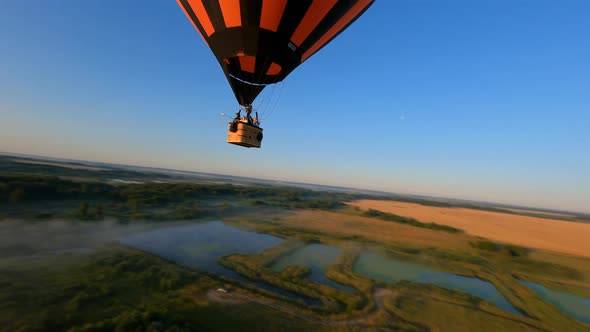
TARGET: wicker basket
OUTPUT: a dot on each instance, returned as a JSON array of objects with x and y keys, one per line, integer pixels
[{"x": 244, "y": 134}]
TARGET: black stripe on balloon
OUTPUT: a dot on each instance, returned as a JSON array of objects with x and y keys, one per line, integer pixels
[
  {"x": 215, "y": 14},
  {"x": 329, "y": 21},
  {"x": 261, "y": 43},
  {"x": 335, "y": 14},
  {"x": 292, "y": 16},
  {"x": 251, "y": 11},
  {"x": 232, "y": 67},
  {"x": 227, "y": 42},
  {"x": 263, "y": 63},
  {"x": 193, "y": 17}
]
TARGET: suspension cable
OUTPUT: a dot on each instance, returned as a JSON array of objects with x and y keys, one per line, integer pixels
[{"x": 272, "y": 109}]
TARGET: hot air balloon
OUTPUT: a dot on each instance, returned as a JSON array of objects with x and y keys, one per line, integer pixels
[{"x": 259, "y": 42}]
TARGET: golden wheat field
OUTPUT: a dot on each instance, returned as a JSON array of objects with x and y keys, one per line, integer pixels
[{"x": 550, "y": 234}]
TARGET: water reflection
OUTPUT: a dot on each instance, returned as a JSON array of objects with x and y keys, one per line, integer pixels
[
  {"x": 389, "y": 270},
  {"x": 318, "y": 257},
  {"x": 574, "y": 305},
  {"x": 201, "y": 245}
]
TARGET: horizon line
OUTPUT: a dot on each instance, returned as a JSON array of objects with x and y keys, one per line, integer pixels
[{"x": 497, "y": 204}]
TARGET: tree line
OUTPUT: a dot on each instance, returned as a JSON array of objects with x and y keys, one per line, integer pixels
[{"x": 20, "y": 188}]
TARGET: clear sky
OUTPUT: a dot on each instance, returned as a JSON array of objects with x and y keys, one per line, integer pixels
[{"x": 485, "y": 100}]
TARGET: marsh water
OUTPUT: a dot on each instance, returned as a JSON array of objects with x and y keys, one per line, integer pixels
[
  {"x": 318, "y": 257},
  {"x": 379, "y": 267},
  {"x": 200, "y": 245},
  {"x": 574, "y": 305}
]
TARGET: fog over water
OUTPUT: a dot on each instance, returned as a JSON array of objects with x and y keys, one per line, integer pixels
[{"x": 26, "y": 237}]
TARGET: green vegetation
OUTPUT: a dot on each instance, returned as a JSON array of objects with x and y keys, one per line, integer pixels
[
  {"x": 17, "y": 188},
  {"x": 438, "y": 203},
  {"x": 409, "y": 221},
  {"x": 148, "y": 201},
  {"x": 341, "y": 271},
  {"x": 293, "y": 272},
  {"x": 518, "y": 260},
  {"x": 268, "y": 256},
  {"x": 76, "y": 170},
  {"x": 315, "y": 201},
  {"x": 495, "y": 266},
  {"x": 123, "y": 290},
  {"x": 87, "y": 213},
  {"x": 583, "y": 218},
  {"x": 333, "y": 301},
  {"x": 66, "y": 292},
  {"x": 532, "y": 266},
  {"x": 509, "y": 249},
  {"x": 404, "y": 299},
  {"x": 8, "y": 165},
  {"x": 455, "y": 315},
  {"x": 117, "y": 289}
]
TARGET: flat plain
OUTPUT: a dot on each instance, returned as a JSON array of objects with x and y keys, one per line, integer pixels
[{"x": 534, "y": 232}]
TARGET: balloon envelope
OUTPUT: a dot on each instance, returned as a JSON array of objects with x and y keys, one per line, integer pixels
[{"x": 259, "y": 42}]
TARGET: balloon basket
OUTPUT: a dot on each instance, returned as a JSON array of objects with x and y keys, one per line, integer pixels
[{"x": 244, "y": 134}]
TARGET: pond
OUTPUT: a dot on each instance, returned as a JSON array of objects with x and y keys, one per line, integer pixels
[
  {"x": 200, "y": 245},
  {"x": 574, "y": 305},
  {"x": 318, "y": 257},
  {"x": 379, "y": 267}
]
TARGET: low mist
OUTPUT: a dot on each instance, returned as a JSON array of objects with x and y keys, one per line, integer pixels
[{"x": 24, "y": 238}]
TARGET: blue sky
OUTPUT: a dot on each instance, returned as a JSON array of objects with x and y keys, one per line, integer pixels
[{"x": 485, "y": 100}]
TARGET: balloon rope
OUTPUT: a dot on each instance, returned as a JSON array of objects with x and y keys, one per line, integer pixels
[
  {"x": 246, "y": 82},
  {"x": 272, "y": 109},
  {"x": 266, "y": 100}
]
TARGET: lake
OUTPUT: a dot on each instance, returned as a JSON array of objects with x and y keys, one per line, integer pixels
[
  {"x": 318, "y": 257},
  {"x": 200, "y": 245},
  {"x": 574, "y": 305},
  {"x": 389, "y": 270}
]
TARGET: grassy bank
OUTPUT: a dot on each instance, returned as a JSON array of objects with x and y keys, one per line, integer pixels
[{"x": 408, "y": 221}]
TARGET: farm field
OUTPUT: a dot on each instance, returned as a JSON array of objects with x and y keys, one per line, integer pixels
[{"x": 541, "y": 233}]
